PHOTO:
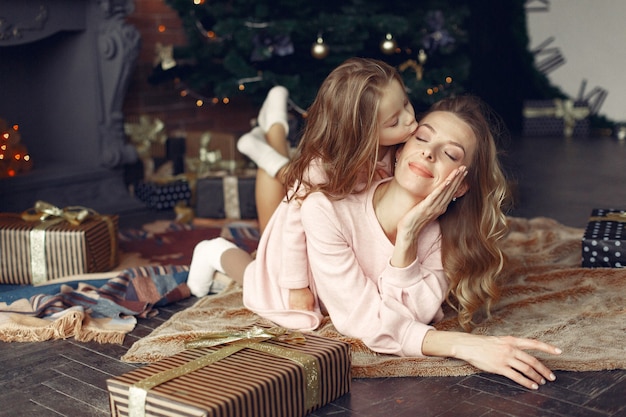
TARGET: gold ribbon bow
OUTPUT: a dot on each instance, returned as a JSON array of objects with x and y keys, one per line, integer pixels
[
  {"x": 49, "y": 215},
  {"x": 255, "y": 333},
  {"x": 563, "y": 109},
  {"x": 610, "y": 217},
  {"x": 43, "y": 211},
  {"x": 234, "y": 341}
]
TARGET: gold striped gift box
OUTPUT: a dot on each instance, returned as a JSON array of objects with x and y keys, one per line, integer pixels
[
  {"x": 251, "y": 379},
  {"x": 33, "y": 252}
]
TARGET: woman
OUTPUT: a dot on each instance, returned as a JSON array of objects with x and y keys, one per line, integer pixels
[{"x": 382, "y": 261}]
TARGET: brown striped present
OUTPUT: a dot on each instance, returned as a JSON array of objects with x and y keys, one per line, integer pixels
[
  {"x": 33, "y": 252},
  {"x": 253, "y": 379}
]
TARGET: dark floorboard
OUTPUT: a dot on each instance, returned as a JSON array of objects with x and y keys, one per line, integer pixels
[{"x": 559, "y": 178}]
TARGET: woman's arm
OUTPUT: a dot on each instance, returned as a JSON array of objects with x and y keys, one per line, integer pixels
[
  {"x": 388, "y": 308},
  {"x": 502, "y": 355}
]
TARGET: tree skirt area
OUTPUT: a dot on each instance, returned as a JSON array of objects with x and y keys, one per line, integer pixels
[{"x": 546, "y": 295}]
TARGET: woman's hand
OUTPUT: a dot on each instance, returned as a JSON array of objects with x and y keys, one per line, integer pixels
[
  {"x": 502, "y": 355},
  {"x": 429, "y": 209},
  {"x": 301, "y": 299}
]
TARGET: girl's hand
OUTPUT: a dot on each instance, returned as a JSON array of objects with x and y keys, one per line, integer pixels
[
  {"x": 301, "y": 299},
  {"x": 502, "y": 355}
]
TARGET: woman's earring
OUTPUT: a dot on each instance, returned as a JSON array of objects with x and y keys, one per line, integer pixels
[{"x": 453, "y": 198}]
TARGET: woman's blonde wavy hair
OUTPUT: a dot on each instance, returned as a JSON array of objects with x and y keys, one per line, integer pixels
[
  {"x": 342, "y": 129},
  {"x": 474, "y": 223}
]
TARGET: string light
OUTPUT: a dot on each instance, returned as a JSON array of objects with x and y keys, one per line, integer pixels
[
  {"x": 319, "y": 49},
  {"x": 388, "y": 45},
  {"x": 14, "y": 157}
]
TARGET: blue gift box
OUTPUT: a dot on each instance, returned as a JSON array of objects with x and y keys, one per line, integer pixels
[
  {"x": 604, "y": 241},
  {"x": 555, "y": 118},
  {"x": 226, "y": 196},
  {"x": 163, "y": 195}
]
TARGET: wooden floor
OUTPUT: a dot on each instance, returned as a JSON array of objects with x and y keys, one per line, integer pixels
[{"x": 558, "y": 178}]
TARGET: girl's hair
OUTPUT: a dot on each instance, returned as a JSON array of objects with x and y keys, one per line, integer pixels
[
  {"x": 473, "y": 224},
  {"x": 342, "y": 130}
]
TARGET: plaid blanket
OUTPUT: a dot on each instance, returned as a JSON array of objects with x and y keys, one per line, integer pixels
[{"x": 103, "y": 314}]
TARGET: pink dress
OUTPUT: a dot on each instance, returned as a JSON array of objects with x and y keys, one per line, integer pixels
[{"x": 348, "y": 254}]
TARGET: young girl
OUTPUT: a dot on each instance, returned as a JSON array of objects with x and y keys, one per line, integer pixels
[
  {"x": 361, "y": 110},
  {"x": 344, "y": 116},
  {"x": 383, "y": 261}
]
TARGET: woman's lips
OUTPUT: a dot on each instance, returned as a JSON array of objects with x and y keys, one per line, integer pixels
[{"x": 420, "y": 170}]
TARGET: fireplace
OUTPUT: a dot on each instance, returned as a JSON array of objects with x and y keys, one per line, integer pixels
[{"x": 64, "y": 70}]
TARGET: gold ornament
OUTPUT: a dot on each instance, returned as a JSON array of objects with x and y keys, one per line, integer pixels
[
  {"x": 388, "y": 45},
  {"x": 319, "y": 49},
  {"x": 165, "y": 56},
  {"x": 417, "y": 66}
]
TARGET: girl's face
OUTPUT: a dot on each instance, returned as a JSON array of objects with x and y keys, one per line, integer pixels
[
  {"x": 396, "y": 116},
  {"x": 442, "y": 143}
]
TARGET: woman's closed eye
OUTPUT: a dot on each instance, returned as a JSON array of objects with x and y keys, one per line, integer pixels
[{"x": 454, "y": 158}]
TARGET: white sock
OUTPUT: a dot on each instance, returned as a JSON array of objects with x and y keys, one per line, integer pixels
[
  {"x": 255, "y": 147},
  {"x": 204, "y": 263},
  {"x": 274, "y": 109}
]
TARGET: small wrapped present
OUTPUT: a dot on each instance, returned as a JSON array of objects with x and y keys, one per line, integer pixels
[
  {"x": 212, "y": 151},
  {"x": 165, "y": 193},
  {"x": 604, "y": 241},
  {"x": 226, "y": 196},
  {"x": 47, "y": 242},
  {"x": 258, "y": 372},
  {"x": 556, "y": 118}
]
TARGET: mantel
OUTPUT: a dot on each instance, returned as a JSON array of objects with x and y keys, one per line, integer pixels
[
  {"x": 32, "y": 20},
  {"x": 65, "y": 66}
]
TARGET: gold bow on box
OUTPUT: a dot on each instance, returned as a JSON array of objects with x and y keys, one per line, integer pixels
[
  {"x": 610, "y": 217},
  {"x": 235, "y": 341},
  {"x": 562, "y": 109},
  {"x": 43, "y": 211},
  {"x": 47, "y": 215}
]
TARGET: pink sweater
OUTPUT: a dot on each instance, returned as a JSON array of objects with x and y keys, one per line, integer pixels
[{"x": 389, "y": 308}]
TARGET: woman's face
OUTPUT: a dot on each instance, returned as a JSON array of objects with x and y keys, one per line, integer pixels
[
  {"x": 396, "y": 116},
  {"x": 442, "y": 143}
]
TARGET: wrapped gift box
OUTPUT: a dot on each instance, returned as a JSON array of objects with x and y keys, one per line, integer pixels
[
  {"x": 604, "y": 241},
  {"x": 268, "y": 378},
  {"x": 213, "y": 141},
  {"x": 33, "y": 252},
  {"x": 226, "y": 196},
  {"x": 556, "y": 118},
  {"x": 164, "y": 194}
]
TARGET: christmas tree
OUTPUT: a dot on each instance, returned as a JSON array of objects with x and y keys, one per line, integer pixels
[{"x": 244, "y": 47}]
